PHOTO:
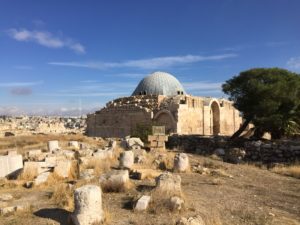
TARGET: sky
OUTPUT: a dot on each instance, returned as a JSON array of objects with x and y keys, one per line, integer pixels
[{"x": 60, "y": 57}]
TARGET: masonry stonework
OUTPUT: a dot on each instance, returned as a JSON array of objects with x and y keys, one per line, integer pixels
[{"x": 179, "y": 113}]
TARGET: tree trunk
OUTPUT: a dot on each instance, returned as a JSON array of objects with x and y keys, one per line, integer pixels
[{"x": 240, "y": 130}]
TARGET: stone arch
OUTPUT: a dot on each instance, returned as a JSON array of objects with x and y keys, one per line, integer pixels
[
  {"x": 215, "y": 117},
  {"x": 165, "y": 118}
]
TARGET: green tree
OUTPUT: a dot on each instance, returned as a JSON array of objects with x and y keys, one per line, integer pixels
[{"x": 267, "y": 97}]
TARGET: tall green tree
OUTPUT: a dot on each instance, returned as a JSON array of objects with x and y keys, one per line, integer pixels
[{"x": 267, "y": 97}]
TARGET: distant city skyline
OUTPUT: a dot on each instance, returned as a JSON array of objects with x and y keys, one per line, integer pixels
[{"x": 67, "y": 57}]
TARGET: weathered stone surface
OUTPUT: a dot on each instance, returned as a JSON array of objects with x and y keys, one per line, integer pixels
[
  {"x": 88, "y": 205},
  {"x": 134, "y": 143},
  {"x": 181, "y": 162},
  {"x": 115, "y": 177},
  {"x": 10, "y": 164},
  {"x": 103, "y": 154},
  {"x": 87, "y": 174},
  {"x": 197, "y": 220},
  {"x": 53, "y": 146},
  {"x": 12, "y": 152},
  {"x": 142, "y": 174},
  {"x": 34, "y": 153},
  {"x": 42, "y": 178},
  {"x": 127, "y": 159},
  {"x": 176, "y": 203},
  {"x": 168, "y": 182},
  {"x": 36, "y": 167},
  {"x": 5, "y": 197},
  {"x": 7, "y": 210},
  {"x": 63, "y": 168},
  {"x": 142, "y": 203},
  {"x": 139, "y": 155},
  {"x": 74, "y": 144}
]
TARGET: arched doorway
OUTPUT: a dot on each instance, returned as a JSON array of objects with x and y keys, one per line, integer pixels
[
  {"x": 215, "y": 118},
  {"x": 165, "y": 118}
]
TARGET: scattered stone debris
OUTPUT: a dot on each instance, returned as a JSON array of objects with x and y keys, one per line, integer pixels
[{"x": 197, "y": 220}]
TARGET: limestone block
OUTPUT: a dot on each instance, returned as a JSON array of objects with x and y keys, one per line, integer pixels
[
  {"x": 115, "y": 177},
  {"x": 87, "y": 174},
  {"x": 103, "y": 154},
  {"x": 181, "y": 162},
  {"x": 12, "y": 152},
  {"x": 143, "y": 174},
  {"x": 127, "y": 159},
  {"x": 34, "y": 153},
  {"x": 42, "y": 178},
  {"x": 157, "y": 138},
  {"x": 53, "y": 146},
  {"x": 142, "y": 203},
  {"x": 69, "y": 154},
  {"x": 74, "y": 144},
  {"x": 168, "y": 182},
  {"x": 35, "y": 167},
  {"x": 134, "y": 143},
  {"x": 88, "y": 205},
  {"x": 63, "y": 168},
  {"x": 10, "y": 164}
]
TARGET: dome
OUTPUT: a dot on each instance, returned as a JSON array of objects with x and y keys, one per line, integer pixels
[{"x": 159, "y": 83}]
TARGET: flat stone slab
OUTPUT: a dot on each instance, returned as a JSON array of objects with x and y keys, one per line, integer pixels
[{"x": 142, "y": 203}]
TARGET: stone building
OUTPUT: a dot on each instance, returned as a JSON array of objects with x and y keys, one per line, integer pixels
[{"x": 160, "y": 99}]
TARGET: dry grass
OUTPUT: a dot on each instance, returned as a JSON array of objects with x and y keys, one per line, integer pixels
[
  {"x": 28, "y": 174},
  {"x": 100, "y": 166},
  {"x": 63, "y": 196},
  {"x": 24, "y": 143},
  {"x": 161, "y": 201},
  {"x": 292, "y": 171},
  {"x": 113, "y": 186}
]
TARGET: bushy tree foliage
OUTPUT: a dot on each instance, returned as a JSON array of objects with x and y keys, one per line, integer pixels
[{"x": 267, "y": 97}]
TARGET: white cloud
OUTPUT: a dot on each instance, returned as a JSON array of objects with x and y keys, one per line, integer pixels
[
  {"x": 202, "y": 85},
  {"x": 294, "y": 62},
  {"x": 20, "y": 84},
  {"x": 46, "y": 39},
  {"x": 151, "y": 63}
]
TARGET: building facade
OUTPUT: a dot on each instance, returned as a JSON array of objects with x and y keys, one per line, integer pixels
[{"x": 160, "y": 99}]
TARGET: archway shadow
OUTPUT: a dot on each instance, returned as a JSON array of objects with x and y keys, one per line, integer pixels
[{"x": 59, "y": 215}]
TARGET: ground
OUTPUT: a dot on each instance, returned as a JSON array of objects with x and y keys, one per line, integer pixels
[{"x": 242, "y": 194}]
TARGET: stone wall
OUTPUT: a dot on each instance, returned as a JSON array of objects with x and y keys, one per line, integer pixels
[
  {"x": 281, "y": 151},
  {"x": 259, "y": 151},
  {"x": 181, "y": 114}
]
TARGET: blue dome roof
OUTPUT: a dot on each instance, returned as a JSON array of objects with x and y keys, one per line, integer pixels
[{"x": 159, "y": 83}]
